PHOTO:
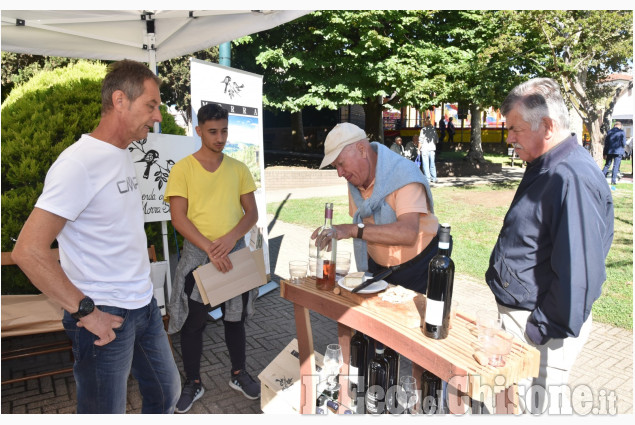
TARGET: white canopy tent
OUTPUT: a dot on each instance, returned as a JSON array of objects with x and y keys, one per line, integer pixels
[
  {"x": 149, "y": 36},
  {"x": 144, "y": 35}
]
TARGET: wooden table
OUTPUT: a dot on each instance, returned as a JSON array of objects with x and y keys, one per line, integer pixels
[{"x": 451, "y": 359}]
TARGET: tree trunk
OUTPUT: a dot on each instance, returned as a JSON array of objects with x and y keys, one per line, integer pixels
[
  {"x": 298, "y": 143},
  {"x": 374, "y": 123},
  {"x": 597, "y": 140},
  {"x": 475, "y": 154}
]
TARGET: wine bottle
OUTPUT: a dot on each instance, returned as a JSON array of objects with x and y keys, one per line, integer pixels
[
  {"x": 377, "y": 381},
  {"x": 320, "y": 407},
  {"x": 431, "y": 390},
  {"x": 357, "y": 369},
  {"x": 370, "y": 354},
  {"x": 325, "y": 267},
  {"x": 442, "y": 400},
  {"x": 393, "y": 378},
  {"x": 440, "y": 285}
]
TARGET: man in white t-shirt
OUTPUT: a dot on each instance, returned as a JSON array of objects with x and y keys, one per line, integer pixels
[{"x": 92, "y": 205}]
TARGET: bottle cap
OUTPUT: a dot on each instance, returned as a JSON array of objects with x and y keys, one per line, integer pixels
[{"x": 444, "y": 233}]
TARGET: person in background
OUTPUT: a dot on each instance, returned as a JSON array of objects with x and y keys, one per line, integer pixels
[
  {"x": 451, "y": 130},
  {"x": 412, "y": 148},
  {"x": 614, "y": 144},
  {"x": 394, "y": 225},
  {"x": 213, "y": 206},
  {"x": 428, "y": 146},
  {"x": 442, "y": 129},
  {"x": 398, "y": 147},
  {"x": 91, "y": 204},
  {"x": 548, "y": 265}
]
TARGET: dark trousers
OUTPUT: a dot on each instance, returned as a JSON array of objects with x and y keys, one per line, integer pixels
[
  {"x": 413, "y": 276},
  {"x": 192, "y": 336},
  {"x": 616, "y": 166}
]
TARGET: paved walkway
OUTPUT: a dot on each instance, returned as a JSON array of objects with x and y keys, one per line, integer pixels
[{"x": 605, "y": 365}]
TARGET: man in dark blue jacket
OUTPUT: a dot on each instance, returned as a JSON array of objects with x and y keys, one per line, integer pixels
[
  {"x": 614, "y": 144},
  {"x": 547, "y": 267}
]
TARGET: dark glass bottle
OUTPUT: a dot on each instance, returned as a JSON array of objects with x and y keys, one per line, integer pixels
[
  {"x": 377, "y": 381},
  {"x": 442, "y": 400},
  {"x": 440, "y": 285},
  {"x": 393, "y": 378},
  {"x": 357, "y": 369},
  {"x": 431, "y": 391}
]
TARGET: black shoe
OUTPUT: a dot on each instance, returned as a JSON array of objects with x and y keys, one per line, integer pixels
[
  {"x": 191, "y": 392},
  {"x": 245, "y": 383}
]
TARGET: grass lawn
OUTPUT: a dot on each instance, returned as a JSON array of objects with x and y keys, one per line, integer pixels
[{"x": 476, "y": 214}]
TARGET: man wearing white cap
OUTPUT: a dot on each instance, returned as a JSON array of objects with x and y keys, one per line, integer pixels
[{"x": 394, "y": 225}]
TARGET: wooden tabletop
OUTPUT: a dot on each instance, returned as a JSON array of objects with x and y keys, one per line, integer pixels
[{"x": 452, "y": 359}]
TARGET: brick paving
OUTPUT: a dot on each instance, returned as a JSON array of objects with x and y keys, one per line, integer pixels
[{"x": 605, "y": 364}]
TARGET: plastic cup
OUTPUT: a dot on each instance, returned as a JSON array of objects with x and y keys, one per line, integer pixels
[
  {"x": 297, "y": 270},
  {"x": 342, "y": 263},
  {"x": 312, "y": 249},
  {"x": 312, "y": 266}
]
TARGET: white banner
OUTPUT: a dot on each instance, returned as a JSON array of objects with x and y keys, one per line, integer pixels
[
  {"x": 153, "y": 159},
  {"x": 239, "y": 92}
]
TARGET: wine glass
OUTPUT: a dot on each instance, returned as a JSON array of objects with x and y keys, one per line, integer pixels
[
  {"x": 407, "y": 393},
  {"x": 333, "y": 361},
  {"x": 496, "y": 346},
  {"x": 489, "y": 323}
]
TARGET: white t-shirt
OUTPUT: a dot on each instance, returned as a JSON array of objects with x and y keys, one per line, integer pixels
[{"x": 103, "y": 246}]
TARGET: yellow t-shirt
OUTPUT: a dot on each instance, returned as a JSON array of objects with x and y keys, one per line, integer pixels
[
  {"x": 410, "y": 198},
  {"x": 213, "y": 198}
]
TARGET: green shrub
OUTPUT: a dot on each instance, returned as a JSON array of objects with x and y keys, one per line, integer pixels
[{"x": 39, "y": 120}]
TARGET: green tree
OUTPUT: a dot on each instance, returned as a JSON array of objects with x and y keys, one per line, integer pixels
[
  {"x": 175, "y": 80},
  {"x": 40, "y": 119},
  {"x": 586, "y": 47},
  {"x": 18, "y": 68},
  {"x": 332, "y": 58},
  {"x": 490, "y": 53}
]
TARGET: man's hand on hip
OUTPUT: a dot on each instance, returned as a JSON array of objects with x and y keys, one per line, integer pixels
[{"x": 102, "y": 325}]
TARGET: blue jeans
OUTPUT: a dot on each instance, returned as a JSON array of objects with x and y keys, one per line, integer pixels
[
  {"x": 141, "y": 346},
  {"x": 616, "y": 166},
  {"x": 429, "y": 169}
]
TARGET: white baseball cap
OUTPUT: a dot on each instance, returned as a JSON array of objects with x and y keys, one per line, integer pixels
[{"x": 342, "y": 135}]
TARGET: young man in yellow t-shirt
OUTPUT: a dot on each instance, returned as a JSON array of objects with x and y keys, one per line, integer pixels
[{"x": 213, "y": 206}]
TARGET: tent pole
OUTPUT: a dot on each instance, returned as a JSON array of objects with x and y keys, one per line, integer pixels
[
  {"x": 224, "y": 54},
  {"x": 152, "y": 64}
]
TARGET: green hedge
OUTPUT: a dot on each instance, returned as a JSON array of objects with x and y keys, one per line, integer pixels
[{"x": 39, "y": 120}]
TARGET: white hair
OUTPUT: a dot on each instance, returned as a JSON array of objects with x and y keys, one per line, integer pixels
[{"x": 536, "y": 99}]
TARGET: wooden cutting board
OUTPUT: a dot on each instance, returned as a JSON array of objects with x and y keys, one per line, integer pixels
[{"x": 410, "y": 311}]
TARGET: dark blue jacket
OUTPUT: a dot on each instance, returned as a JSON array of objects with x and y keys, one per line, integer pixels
[
  {"x": 550, "y": 254},
  {"x": 614, "y": 142}
]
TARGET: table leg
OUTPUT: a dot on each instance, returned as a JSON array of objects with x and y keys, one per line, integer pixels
[
  {"x": 307, "y": 359},
  {"x": 344, "y": 334}
]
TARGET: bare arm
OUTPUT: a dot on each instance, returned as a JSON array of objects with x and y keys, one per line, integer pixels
[
  {"x": 404, "y": 231},
  {"x": 32, "y": 253},
  {"x": 218, "y": 249},
  {"x": 223, "y": 245}
]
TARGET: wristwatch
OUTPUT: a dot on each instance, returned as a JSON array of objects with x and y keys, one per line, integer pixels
[
  {"x": 86, "y": 306},
  {"x": 360, "y": 230}
]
